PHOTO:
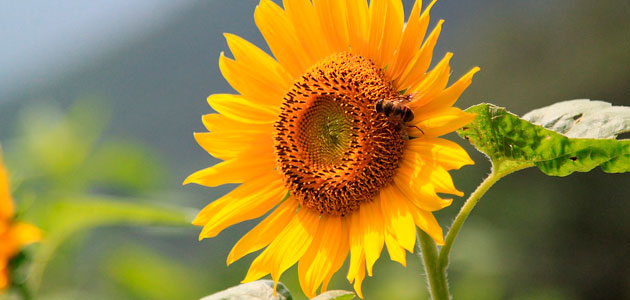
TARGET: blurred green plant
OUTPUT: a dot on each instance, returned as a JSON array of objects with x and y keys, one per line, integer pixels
[
  {"x": 66, "y": 151},
  {"x": 64, "y": 219},
  {"x": 69, "y": 180},
  {"x": 149, "y": 275}
]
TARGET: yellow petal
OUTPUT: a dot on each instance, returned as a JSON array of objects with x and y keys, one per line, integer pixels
[
  {"x": 423, "y": 196},
  {"x": 440, "y": 152},
  {"x": 340, "y": 257},
  {"x": 249, "y": 165},
  {"x": 427, "y": 222},
  {"x": 386, "y": 23},
  {"x": 396, "y": 252},
  {"x": 442, "y": 181},
  {"x": 237, "y": 108},
  {"x": 373, "y": 232},
  {"x": 21, "y": 234},
  {"x": 333, "y": 16},
  {"x": 306, "y": 22},
  {"x": 358, "y": 26},
  {"x": 392, "y": 33},
  {"x": 260, "y": 267},
  {"x": 252, "y": 84},
  {"x": 319, "y": 261},
  {"x": 4, "y": 278},
  {"x": 398, "y": 219},
  {"x": 377, "y": 14},
  {"x": 432, "y": 84},
  {"x": 429, "y": 178},
  {"x": 449, "y": 96},
  {"x": 280, "y": 34},
  {"x": 265, "y": 232},
  {"x": 412, "y": 38},
  {"x": 357, "y": 255},
  {"x": 417, "y": 67},
  {"x": 443, "y": 121},
  {"x": 4, "y": 227},
  {"x": 250, "y": 200},
  {"x": 6, "y": 202},
  {"x": 221, "y": 124},
  {"x": 358, "y": 280},
  {"x": 288, "y": 247},
  {"x": 230, "y": 145},
  {"x": 411, "y": 183},
  {"x": 261, "y": 66}
]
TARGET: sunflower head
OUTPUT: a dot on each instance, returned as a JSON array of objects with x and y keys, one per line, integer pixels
[
  {"x": 305, "y": 140},
  {"x": 332, "y": 147}
]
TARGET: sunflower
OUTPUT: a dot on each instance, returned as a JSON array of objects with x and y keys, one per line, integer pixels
[
  {"x": 13, "y": 235},
  {"x": 306, "y": 143}
]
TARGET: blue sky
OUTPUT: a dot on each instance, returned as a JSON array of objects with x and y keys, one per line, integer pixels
[{"x": 42, "y": 38}]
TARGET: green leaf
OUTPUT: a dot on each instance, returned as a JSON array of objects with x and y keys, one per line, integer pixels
[
  {"x": 90, "y": 211},
  {"x": 335, "y": 295},
  {"x": 513, "y": 143},
  {"x": 256, "y": 290},
  {"x": 63, "y": 219}
]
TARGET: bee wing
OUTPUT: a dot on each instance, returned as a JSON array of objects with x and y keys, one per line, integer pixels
[{"x": 412, "y": 96}]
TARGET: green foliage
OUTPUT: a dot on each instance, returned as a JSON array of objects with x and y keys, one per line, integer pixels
[
  {"x": 55, "y": 142},
  {"x": 90, "y": 211},
  {"x": 68, "y": 180},
  {"x": 63, "y": 152},
  {"x": 147, "y": 274},
  {"x": 124, "y": 166},
  {"x": 256, "y": 290},
  {"x": 513, "y": 143},
  {"x": 19, "y": 273},
  {"x": 62, "y": 219}
]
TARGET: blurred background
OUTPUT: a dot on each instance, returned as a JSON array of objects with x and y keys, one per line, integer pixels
[{"x": 99, "y": 99}]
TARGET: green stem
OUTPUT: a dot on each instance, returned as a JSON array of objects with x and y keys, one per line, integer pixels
[
  {"x": 463, "y": 215},
  {"x": 498, "y": 172},
  {"x": 438, "y": 286},
  {"x": 436, "y": 264},
  {"x": 24, "y": 292}
]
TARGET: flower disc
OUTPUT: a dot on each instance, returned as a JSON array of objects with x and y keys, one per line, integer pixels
[{"x": 333, "y": 149}]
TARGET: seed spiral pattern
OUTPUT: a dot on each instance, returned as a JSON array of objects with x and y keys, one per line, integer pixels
[{"x": 332, "y": 148}]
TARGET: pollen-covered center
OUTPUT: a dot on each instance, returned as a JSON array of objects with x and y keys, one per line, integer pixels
[
  {"x": 332, "y": 148},
  {"x": 324, "y": 132}
]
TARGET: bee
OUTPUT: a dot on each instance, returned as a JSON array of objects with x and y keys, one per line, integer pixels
[{"x": 396, "y": 109}]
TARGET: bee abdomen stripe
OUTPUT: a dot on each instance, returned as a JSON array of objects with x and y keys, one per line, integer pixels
[
  {"x": 379, "y": 105},
  {"x": 407, "y": 115},
  {"x": 389, "y": 107}
]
